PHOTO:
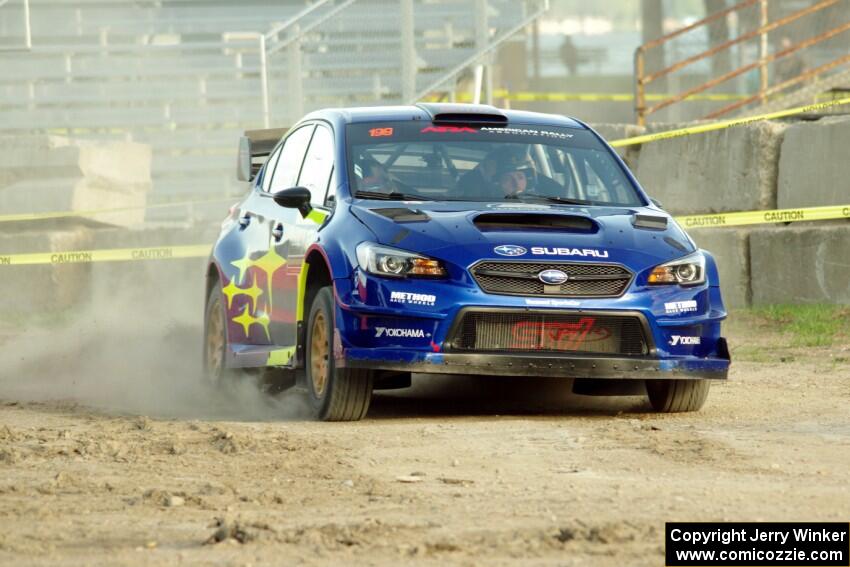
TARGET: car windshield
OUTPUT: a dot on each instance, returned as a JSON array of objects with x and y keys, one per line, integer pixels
[{"x": 419, "y": 160}]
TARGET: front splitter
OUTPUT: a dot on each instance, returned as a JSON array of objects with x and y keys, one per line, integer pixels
[{"x": 537, "y": 365}]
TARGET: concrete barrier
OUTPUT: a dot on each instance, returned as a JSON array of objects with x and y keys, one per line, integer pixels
[
  {"x": 731, "y": 250},
  {"x": 172, "y": 289},
  {"x": 613, "y": 132},
  {"x": 34, "y": 290},
  {"x": 800, "y": 264},
  {"x": 814, "y": 166},
  {"x": 722, "y": 171},
  {"x": 52, "y": 173}
]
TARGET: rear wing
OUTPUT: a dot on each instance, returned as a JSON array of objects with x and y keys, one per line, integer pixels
[{"x": 254, "y": 148}]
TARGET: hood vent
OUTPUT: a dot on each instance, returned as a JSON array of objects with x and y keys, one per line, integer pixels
[
  {"x": 649, "y": 222},
  {"x": 523, "y": 221},
  {"x": 403, "y": 214}
]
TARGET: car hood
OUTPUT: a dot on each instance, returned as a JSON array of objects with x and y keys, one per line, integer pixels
[{"x": 464, "y": 233}]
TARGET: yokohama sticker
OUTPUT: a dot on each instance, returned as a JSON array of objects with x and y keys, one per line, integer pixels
[
  {"x": 413, "y": 298},
  {"x": 680, "y": 307},
  {"x": 681, "y": 340},
  {"x": 400, "y": 333}
]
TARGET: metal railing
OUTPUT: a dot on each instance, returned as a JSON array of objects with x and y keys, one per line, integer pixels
[
  {"x": 643, "y": 77},
  {"x": 416, "y": 55},
  {"x": 282, "y": 36},
  {"x": 485, "y": 47}
]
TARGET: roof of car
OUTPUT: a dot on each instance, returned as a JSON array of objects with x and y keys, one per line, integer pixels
[{"x": 427, "y": 111}]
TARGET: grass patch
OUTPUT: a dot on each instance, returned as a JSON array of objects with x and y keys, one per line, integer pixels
[{"x": 809, "y": 325}]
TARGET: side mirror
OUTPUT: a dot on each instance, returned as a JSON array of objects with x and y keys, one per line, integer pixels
[
  {"x": 657, "y": 203},
  {"x": 294, "y": 198}
]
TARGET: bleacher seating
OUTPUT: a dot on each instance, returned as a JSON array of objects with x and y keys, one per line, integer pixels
[{"x": 175, "y": 74}]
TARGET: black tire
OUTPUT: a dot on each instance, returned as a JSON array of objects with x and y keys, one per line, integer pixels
[
  {"x": 336, "y": 394},
  {"x": 215, "y": 340},
  {"x": 673, "y": 396}
]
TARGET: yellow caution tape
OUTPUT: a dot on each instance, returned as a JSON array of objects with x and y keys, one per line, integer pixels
[
  {"x": 92, "y": 212},
  {"x": 109, "y": 255},
  {"x": 530, "y": 96},
  {"x": 203, "y": 250},
  {"x": 611, "y": 97},
  {"x": 525, "y": 96},
  {"x": 723, "y": 124},
  {"x": 513, "y": 96},
  {"x": 765, "y": 217}
]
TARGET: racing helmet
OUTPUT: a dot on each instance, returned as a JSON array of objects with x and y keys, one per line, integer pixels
[
  {"x": 512, "y": 159},
  {"x": 371, "y": 174}
]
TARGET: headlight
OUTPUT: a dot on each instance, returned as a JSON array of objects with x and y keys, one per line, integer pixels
[
  {"x": 689, "y": 270},
  {"x": 386, "y": 261}
]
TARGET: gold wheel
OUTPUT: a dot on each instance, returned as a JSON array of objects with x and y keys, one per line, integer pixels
[
  {"x": 336, "y": 394},
  {"x": 319, "y": 353},
  {"x": 215, "y": 340}
]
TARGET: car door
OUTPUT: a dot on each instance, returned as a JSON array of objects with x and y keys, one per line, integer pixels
[
  {"x": 243, "y": 287},
  {"x": 300, "y": 232},
  {"x": 274, "y": 266}
]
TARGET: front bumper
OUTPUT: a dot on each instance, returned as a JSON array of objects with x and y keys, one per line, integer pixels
[
  {"x": 532, "y": 365},
  {"x": 377, "y": 332}
]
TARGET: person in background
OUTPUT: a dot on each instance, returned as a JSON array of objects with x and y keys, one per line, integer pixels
[{"x": 569, "y": 55}]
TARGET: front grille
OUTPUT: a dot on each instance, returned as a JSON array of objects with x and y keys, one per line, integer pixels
[
  {"x": 550, "y": 332},
  {"x": 521, "y": 278}
]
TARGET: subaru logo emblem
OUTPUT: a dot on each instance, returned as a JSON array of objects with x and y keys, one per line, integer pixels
[
  {"x": 552, "y": 277},
  {"x": 509, "y": 250}
]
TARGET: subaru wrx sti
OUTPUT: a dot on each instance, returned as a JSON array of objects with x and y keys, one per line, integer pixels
[{"x": 456, "y": 239}]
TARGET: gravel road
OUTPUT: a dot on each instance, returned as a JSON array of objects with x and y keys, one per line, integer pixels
[{"x": 460, "y": 471}]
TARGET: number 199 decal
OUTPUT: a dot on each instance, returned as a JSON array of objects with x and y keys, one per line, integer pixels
[{"x": 380, "y": 132}]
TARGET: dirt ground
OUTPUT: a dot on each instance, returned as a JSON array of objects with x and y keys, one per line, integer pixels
[{"x": 460, "y": 471}]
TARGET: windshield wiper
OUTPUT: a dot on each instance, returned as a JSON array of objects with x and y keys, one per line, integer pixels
[
  {"x": 391, "y": 196},
  {"x": 552, "y": 199}
]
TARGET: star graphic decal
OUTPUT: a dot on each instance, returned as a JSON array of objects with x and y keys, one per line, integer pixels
[
  {"x": 246, "y": 320},
  {"x": 243, "y": 264},
  {"x": 232, "y": 290},
  {"x": 269, "y": 263}
]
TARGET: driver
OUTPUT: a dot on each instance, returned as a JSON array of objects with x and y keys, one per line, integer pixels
[
  {"x": 375, "y": 176},
  {"x": 516, "y": 174}
]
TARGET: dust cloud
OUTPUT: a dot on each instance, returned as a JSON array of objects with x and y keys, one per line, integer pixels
[{"x": 127, "y": 349}]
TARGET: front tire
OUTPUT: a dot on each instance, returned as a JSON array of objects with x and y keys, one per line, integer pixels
[
  {"x": 673, "y": 396},
  {"x": 336, "y": 394},
  {"x": 215, "y": 339}
]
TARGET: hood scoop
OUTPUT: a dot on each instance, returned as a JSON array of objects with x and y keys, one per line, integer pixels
[
  {"x": 403, "y": 214},
  {"x": 649, "y": 222},
  {"x": 492, "y": 222}
]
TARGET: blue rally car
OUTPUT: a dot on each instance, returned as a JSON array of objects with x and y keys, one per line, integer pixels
[{"x": 455, "y": 239}]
